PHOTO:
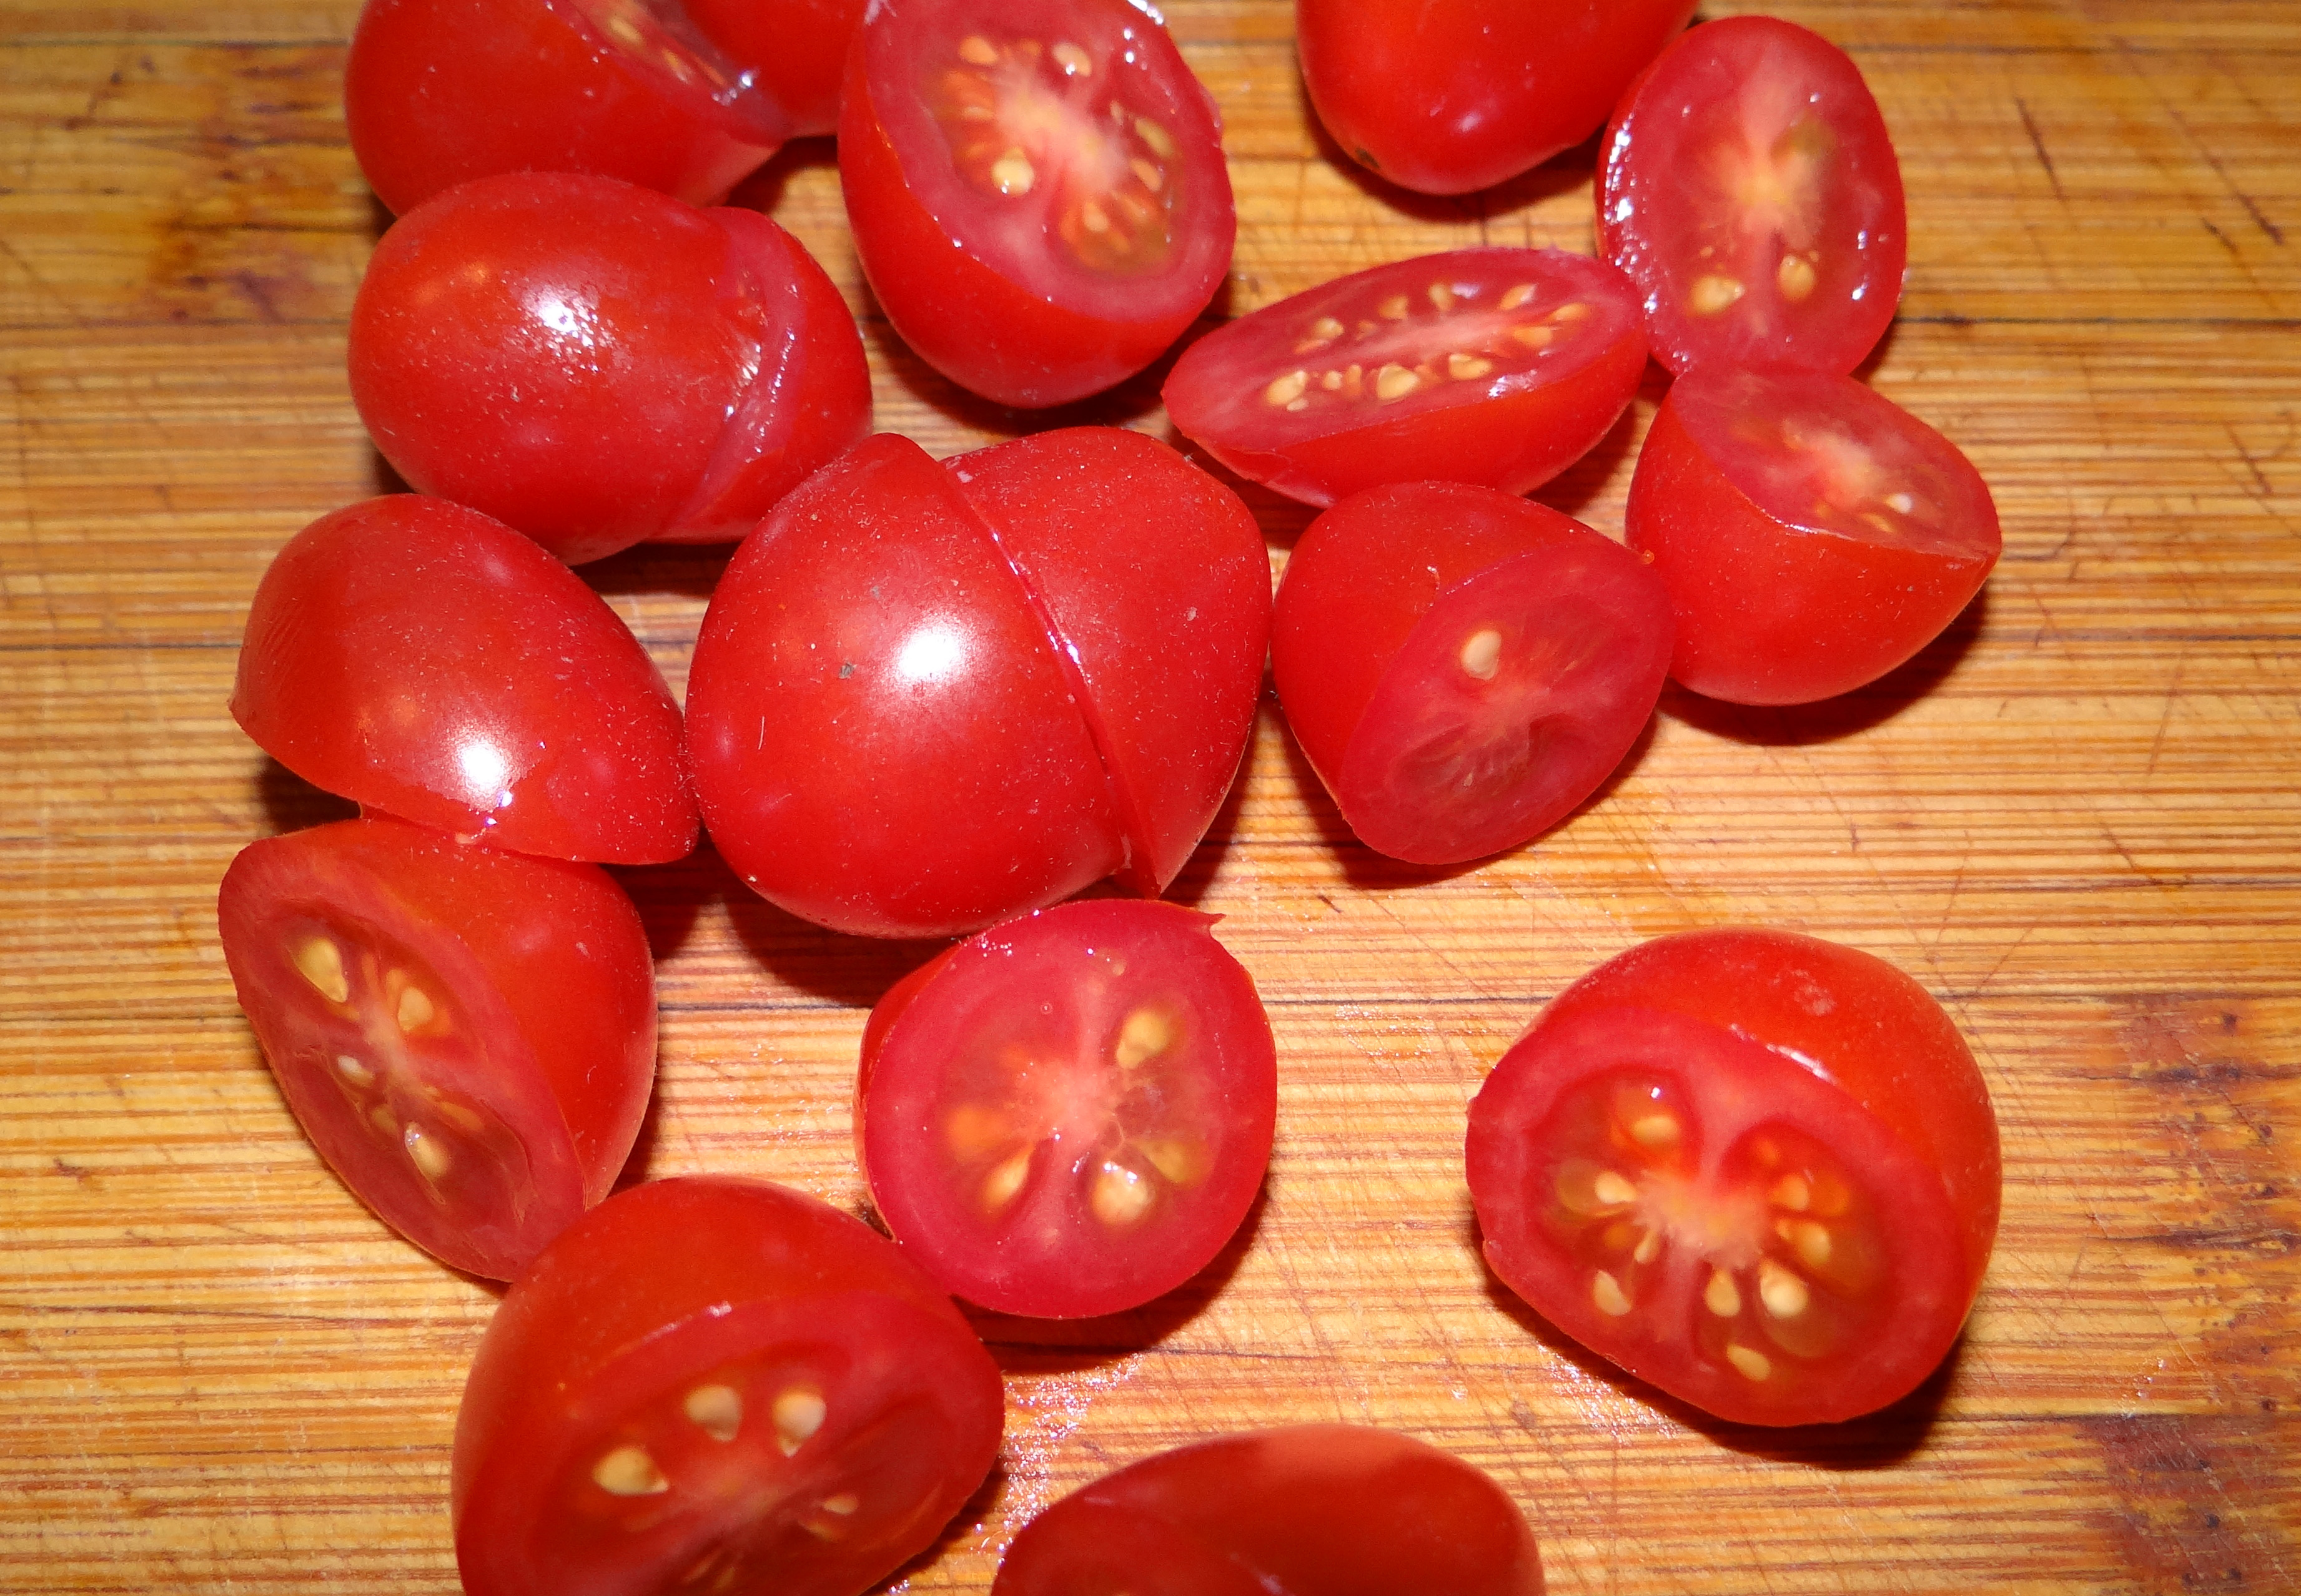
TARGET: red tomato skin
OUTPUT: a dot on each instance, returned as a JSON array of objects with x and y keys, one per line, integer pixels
[
  {"x": 1458, "y": 94},
  {"x": 551, "y": 953},
  {"x": 439, "y": 92},
  {"x": 395, "y": 642},
  {"x": 795, "y": 50}
]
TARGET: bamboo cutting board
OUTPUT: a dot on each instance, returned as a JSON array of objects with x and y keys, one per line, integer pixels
[{"x": 2076, "y": 819}]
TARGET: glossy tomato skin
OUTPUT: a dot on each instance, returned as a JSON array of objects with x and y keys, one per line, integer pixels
[
  {"x": 480, "y": 1115},
  {"x": 794, "y": 50},
  {"x": 439, "y": 92},
  {"x": 1815, "y": 1159},
  {"x": 721, "y": 1373},
  {"x": 983, "y": 251},
  {"x": 1813, "y": 535},
  {"x": 598, "y": 365},
  {"x": 1309, "y": 1509},
  {"x": 1462, "y": 667},
  {"x": 425, "y": 661},
  {"x": 1495, "y": 366},
  {"x": 1448, "y": 96}
]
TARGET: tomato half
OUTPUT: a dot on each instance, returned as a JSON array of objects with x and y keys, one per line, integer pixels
[
  {"x": 1749, "y": 187},
  {"x": 1812, "y": 534},
  {"x": 1497, "y": 366},
  {"x": 793, "y": 51},
  {"x": 1307, "y": 1510},
  {"x": 597, "y": 364},
  {"x": 1757, "y": 1170},
  {"x": 423, "y": 660},
  {"x": 716, "y": 1384},
  {"x": 466, "y": 1036},
  {"x": 1037, "y": 189},
  {"x": 1462, "y": 667},
  {"x": 1069, "y": 1113},
  {"x": 1448, "y": 96},
  {"x": 439, "y": 92}
]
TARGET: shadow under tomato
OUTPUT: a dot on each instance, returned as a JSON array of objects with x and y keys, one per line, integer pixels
[
  {"x": 763, "y": 190},
  {"x": 853, "y": 972},
  {"x": 1574, "y": 489},
  {"x": 676, "y": 569},
  {"x": 1197, "y": 876},
  {"x": 292, "y": 804}
]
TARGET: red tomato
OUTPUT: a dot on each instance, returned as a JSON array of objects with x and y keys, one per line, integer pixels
[
  {"x": 1069, "y": 1113},
  {"x": 1310, "y": 1510},
  {"x": 714, "y": 1385},
  {"x": 439, "y": 92},
  {"x": 1749, "y": 187},
  {"x": 420, "y": 659},
  {"x": 1495, "y": 366},
  {"x": 467, "y": 1036},
  {"x": 1812, "y": 535},
  {"x": 1448, "y": 96},
  {"x": 926, "y": 699},
  {"x": 1037, "y": 189},
  {"x": 794, "y": 51},
  {"x": 595, "y": 364},
  {"x": 1462, "y": 667},
  {"x": 1757, "y": 1170}
]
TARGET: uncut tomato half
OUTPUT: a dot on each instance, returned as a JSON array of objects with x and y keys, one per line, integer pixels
[
  {"x": 1462, "y": 667},
  {"x": 1497, "y": 366},
  {"x": 466, "y": 1036},
  {"x": 716, "y": 1385},
  {"x": 926, "y": 697},
  {"x": 1037, "y": 189},
  {"x": 1812, "y": 534},
  {"x": 1448, "y": 96},
  {"x": 1307, "y": 1510},
  {"x": 1069, "y": 1113},
  {"x": 1757, "y": 1170},
  {"x": 793, "y": 51},
  {"x": 598, "y": 365},
  {"x": 439, "y": 92},
  {"x": 1749, "y": 187},
  {"x": 425, "y": 661}
]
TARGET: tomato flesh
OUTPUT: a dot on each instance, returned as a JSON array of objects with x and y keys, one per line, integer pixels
[{"x": 794, "y": 52}]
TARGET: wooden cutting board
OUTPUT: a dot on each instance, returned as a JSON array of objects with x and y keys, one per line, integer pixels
[{"x": 2076, "y": 819}]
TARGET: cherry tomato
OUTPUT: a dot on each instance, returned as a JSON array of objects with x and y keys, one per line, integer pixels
[
  {"x": 1069, "y": 1113},
  {"x": 1812, "y": 534},
  {"x": 467, "y": 1036},
  {"x": 595, "y": 364},
  {"x": 1757, "y": 1170},
  {"x": 1448, "y": 96},
  {"x": 423, "y": 660},
  {"x": 1495, "y": 366},
  {"x": 1037, "y": 189},
  {"x": 926, "y": 699},
  {"x": 1462, "y": 667},
  {"x": 795, "y": 51},
  {"x": 1749, "y": 187},
  {"x": 1309, "y": 1510},
  {"x": 439, "y": 92},
  {"x": 715, "y": 1385}
]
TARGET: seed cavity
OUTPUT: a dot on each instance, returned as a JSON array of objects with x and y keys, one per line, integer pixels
[
  {"x": 415, "y": 1009},
  {"x": 1482, "y": 655},
  {"x": 1121, "y": 1196},
  {"x": 1094, "y": 218},
  {"x": 1782, "y": 1293},
  {"x": 1721, "y": 1296},
  {"x": 629, "y": 1470},
  {"x": 1001, "y": 1185},
  {"x": 1713, "y": 294},
  {"x": 1463, "y": 367},
  {"x": 1515, "y": 295},
  {"x": 1795, "y": 277},
  {"x": 321, "y": 963},
  {"x": 352, "y": 1070},
  {"x": 1749, "y": 1362},
  {"x": 1606, "y": 1292},
  {"x": 717, "y": 1410},
  {"x": 977, "y": 51},
  {"x": 1075, "y": 61},
  {"x": 1395, "y": 381},
  {"x": 1655, "y": 1130},
  {"x": 426, "y": 1153},
  {"x": 1286, "y": 389},
  {"x": 798, "y": 1414},
  {"x": 1012, "y": 174},
  {"x": 1181, "y": 1162}
]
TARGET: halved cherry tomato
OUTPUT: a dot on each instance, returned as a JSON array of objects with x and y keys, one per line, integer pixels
[
  {"x": 794, "y": 51},
  {"x": 1496, "y": 366},
  {"x": 1069, "y": 1113},
  {"x": 926, "y": 698},
  {"x": 1812, "y": 534},
  {"x": 439, "y": 92},
  {"x": 1037, "y": 189},
  {"x": 425, "y": 661},
  {"x": 467, "y": 1036},
  {"x": 1307, "y": 1510},
  {"x": 1748, "y": 187},
  {"x": 715, "y": 1385},
  {"x": 596, "y": 363},
  {"x": 1757, "y": 1170},
  {"x": 1462, "y": 667}
]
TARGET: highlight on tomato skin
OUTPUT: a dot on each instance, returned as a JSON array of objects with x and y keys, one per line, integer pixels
[{"x": 793, "y": 51}]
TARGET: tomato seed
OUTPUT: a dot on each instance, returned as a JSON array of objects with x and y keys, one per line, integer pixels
[
  {"x": 1721, "y": 1296},
  {"x": 1710, "y": 295},
  {"x": 1606, "y": 1292},
  {"x": 1752, "y": 1364},
  {"x": 1782, "y": 1293},
  {"x": 1795, "y": 278},
  {"x": 321, "y": 963},
  {"x": 629, "y": 1470},
  {"x": 717, "y": 1410},
  {"x": 799, "y": 1413}
]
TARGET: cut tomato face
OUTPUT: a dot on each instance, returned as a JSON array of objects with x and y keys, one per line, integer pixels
[
  {"x": 1037, "y": 193},
  {"x": 1463, "y": 668},
  {"x": 1498, "y": 367},
  {"x": 1812, "y": 534},
  {"x": 1756, "y": 1170},
  {"x": 713, "y": 1384},
  {"x": 1071, "y": 1113},
  {"x": 466, "y": 1036},
  {"x": 1749, "y": 187}
]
